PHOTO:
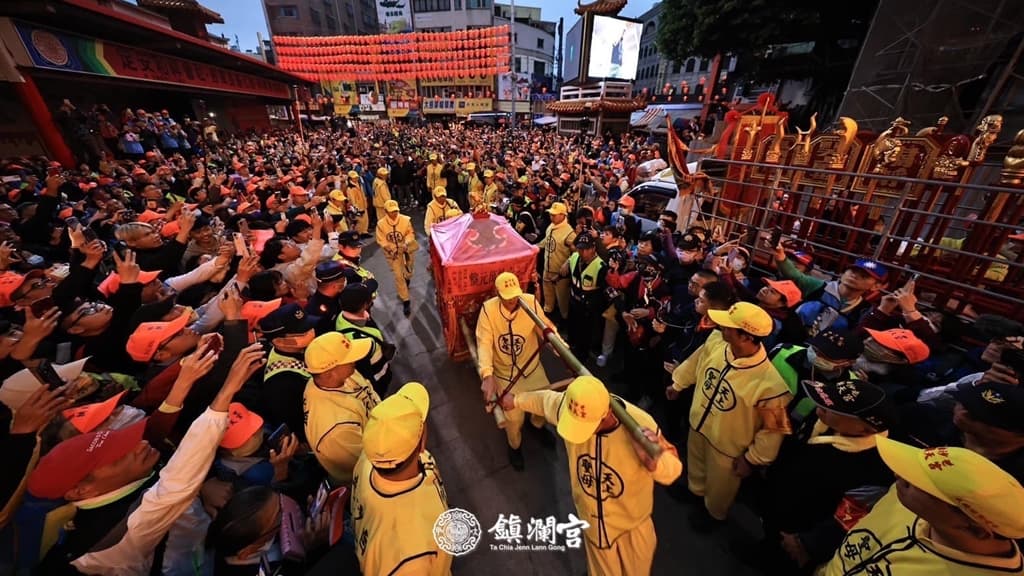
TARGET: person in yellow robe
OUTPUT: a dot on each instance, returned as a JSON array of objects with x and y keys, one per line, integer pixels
[
  {"x": 357, "y": 197},
  {"x": 440, "y": 210},
  {"x": 381, "y": 192},
  {"x": 557, "y": 245},
  {"x": 434, "y": 168},
  {"x": 396, "y": 237},
  {"x": 397, "y": 491},
  {"x": 611, "y": 476},
  {"x": 490, "y": 189},
  {"x": 951, "y": 512},
  {"x": 508, "y": 348}
]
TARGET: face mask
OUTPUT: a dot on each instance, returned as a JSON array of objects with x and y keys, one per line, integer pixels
[
  {"x": 868, "y": 367},
  {"x": 624, "y": 211},
  {"x": 821, "y": 363}
]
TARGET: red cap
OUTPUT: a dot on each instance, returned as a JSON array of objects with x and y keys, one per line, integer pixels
[
  {"x": 149, "y": 336},
  {"x": 112, "y": 282},
  {"x": 242, "y": 424},
  {"x": 254, "y": 310},
  {"x": 86, "y": 418},
  {"x": 170, "y": 229},
  {"x": 788, "y": 289},
  {"x": 903, "y": 341},
  {"x": 105, "y": 181},
  {"x": 9, "y": 284},
  {"x": 74, "y": 459}
]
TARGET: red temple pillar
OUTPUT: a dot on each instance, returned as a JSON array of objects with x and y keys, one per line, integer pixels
[{"x": 33, "y": 102}]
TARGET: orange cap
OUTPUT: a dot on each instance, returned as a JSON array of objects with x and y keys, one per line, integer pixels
[
  {"x": 170, "y": 229},
  {"x": 254, "y": 310},
  {"x": 260, "y": 238},
  {"x": 112, "y": 282},
  {"x": 149, "y": 336},
  {"x": 9, "y": 284},
  {"x": 148, "y": 216},
  {"x": 627, "y": 201},
  {"x": 305, "y": 218},
  {"x": 788, "y": 289},
  {"x": 903, "y": 341},
  {"x": 86, "y": 418},
  {"x": 242, "y": 424}
]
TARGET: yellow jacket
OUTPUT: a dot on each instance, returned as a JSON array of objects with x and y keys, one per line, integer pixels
[
  {"x": 381, "y": 193},
  {"x": 476, "y": 184},
  {"x": 393, "y": 522},
  {"x": 491, "y": 194},
  {"x": 612, "y": 489},
  {"x": 894, "y": 540},
  {"x": 396, "y": 237},
  {"x": 434, "y": 176},
  {"x": 557, "y": 246},
  {"x": 741, "y": 404},
  {"x": 437, "y": 213},
  {"x": 356, "y": 196},
  {"x": 334, "y": 424},
  {"x": 505, "y": 342}
]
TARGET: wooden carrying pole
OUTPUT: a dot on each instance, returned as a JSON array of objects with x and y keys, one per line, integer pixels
[
  {"x": 577, "y": 367},
  {"x": 470, "y": 338}
]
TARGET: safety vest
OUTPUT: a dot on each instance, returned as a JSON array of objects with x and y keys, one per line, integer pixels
[
  {"x": 802, "y": 406},
  {"x": 393, "y": 526},
  {"x": 278, "y": 363},
  {"x": 362, "y": 272},
  {"x": 378, "y": 364},
  {"x": 584, "y": 280}
]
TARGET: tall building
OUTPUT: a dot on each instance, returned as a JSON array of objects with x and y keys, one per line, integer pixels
[
  {"x": 534, "y": 61},
  {"x": 449, "y": 15},
  {"x": 662, "y": 77},
  {"x": 321, "y": 17}
]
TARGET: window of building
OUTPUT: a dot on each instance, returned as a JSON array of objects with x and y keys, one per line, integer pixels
[
  {"x": 519, "y": 64},
  {"x": 690, "y": 63},
  {"x": 704, "y": 64},
  {"x": 515, "y": 38},
  {"x": 288, "y": 11},
  {"x": 478, "y": 4},
  {"x": 332, "y": 24},
  {"x": 458, "y": 4},
  {"x": 676, "y": 67},
  {"x": 539, "y": 68},
  {"x": 314, "y": 15},
  {"x": 431, "y": 5},
  {"x": 540, "y": 43}
]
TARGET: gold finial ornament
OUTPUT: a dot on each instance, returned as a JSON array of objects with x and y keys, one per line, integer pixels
[
  {"x": 987, "y": 132},
  {"x": 1012, "y": 173},
  {"x": 849, "y": 134},
  {"x": 887, "y": 148},
  {"x": 803, "y": 142},
  {"x": 774, "y": 154}
]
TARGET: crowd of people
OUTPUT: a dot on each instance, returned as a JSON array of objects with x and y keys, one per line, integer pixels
[{"x": 194, "y": 382}]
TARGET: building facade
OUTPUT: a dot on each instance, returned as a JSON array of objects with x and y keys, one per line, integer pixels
[
  {"x": 663, "y": 77},
  {"x": 451, "y": 15},
  {"x": 394, "y": 16},
  {"x": 321, "y": 17},
  {"x": 533, "y": 64}
]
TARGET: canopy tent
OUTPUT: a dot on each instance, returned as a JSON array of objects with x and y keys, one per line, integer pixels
[
  {"x": 468, "y": 253},
  {"x": 652, "y": 118},
  {"x": 545, "y": 120}
]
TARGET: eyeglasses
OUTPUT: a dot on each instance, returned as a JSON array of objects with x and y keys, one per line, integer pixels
[{"x": 87, "y": 309}]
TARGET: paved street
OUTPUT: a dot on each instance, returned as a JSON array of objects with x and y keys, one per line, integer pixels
[{"x": 470, "y": 451}]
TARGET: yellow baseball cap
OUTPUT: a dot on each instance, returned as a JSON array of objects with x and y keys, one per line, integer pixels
[
  {"x": 391, "y": 206},
  {"x": 395, "y": 426},
  {"x": 433, "y": 156},
  {"x": 334, "y": 349},
  {"x": 745, "y": 316},
  {"x": 488, "y": 173},
  {"x": 353, "y": 175},
  {"x": 962, "y": 478},
  {"x": 382, "y": 171},
  {"x": 558, "y": 208},
  {"x": 338, "y": 196},
  {"x": 508, "y": 286},
  {"x": 524, "y": 179},
  {"x": 471, "y": 166},
  {"x": 584, "y": 405},
  {"x": 440, "y": 191}
]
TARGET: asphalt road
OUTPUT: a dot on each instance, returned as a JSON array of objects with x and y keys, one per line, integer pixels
[{"x": 471, "y": 452}]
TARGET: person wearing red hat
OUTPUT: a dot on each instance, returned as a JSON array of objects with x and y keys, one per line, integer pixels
[
  {"x": 108, "y": 476},
  {"x": 899, "y": 310}
]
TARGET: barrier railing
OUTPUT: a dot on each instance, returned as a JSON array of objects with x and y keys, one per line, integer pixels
[{"x": 955, "y": 236}]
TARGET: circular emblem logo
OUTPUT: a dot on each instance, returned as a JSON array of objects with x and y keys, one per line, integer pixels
[
  {"x": 49, "y": 47},
  {"x": 457, "y": 531}
]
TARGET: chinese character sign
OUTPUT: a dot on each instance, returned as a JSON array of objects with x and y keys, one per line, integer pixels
[{"x": 541, "y": 533}]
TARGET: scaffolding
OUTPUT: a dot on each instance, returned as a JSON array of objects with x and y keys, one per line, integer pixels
[{"x": 925, "y": 59}]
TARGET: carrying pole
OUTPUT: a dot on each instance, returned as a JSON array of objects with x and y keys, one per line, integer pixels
[{"x": 577, "y": 367}]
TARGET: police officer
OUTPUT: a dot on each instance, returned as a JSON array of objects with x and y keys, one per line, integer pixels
[
  {"x": 355, "y": 322},
  {"x": 350, "y": 251},
  {"x": 508, "y": 354},
  {"x": 289, "y": 330},
  {"x": 587, "y": 279},
  {"x": 331, "y": 279}
]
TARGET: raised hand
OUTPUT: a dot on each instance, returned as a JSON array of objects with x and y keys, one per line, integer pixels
[{"x": 127, "y": 268}]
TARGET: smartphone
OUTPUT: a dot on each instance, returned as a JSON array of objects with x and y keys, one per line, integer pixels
[
  {"x": 915, "y": 277},
  {"x": 240, "y": 246},
  {"x": 775, "y": 238},
  {"x": 72, "y": 223},
  {"x": 42, "y": 306},
  {"x": 9, "y": 179},
  {"x": 89, "y": 234},
  {"x": 1013, "y": 358},
  {"x": 47, "y": 374},
  {"x": 276, "y": 438},
  {"x": 216, "y": 344},
  {"x": 321, "y": 497}
]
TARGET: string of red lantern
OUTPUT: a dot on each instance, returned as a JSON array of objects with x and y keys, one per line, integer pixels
[{"x": 477, "y": 52}]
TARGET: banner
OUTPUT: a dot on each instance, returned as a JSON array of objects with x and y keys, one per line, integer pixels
[
  {"x": 442, "y": 106},
  {"x": 395, "y": 16},
  {"x": 467, "y": 106},
  {"x": 487, "y": 81},
  {"x": 401, "y": 98},
  {"x": 507, "y": 81},
  {"x": 342, "y": 94},
  {"x": 371, "y": 102},
  {"x": 56, "y": 50}
]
